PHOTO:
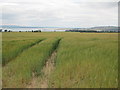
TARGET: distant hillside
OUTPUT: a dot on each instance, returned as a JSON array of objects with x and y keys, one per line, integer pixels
[
  {"x": 102, "y": 28},
  {"x": 95, "y": 29},
  {"x": 106, "y": 28}
]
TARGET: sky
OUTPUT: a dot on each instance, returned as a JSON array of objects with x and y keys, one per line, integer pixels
[{"x": 59, "y": 13}]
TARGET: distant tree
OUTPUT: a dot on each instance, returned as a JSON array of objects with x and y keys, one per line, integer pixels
[
  {"x": 9, "y": 31},
  {"x": 19, "y": 31},
  {"x": 37, "y": 31},
  {"x": 5, "y": 30},
  {"x": 32, "y": 30},
  {"x": 0, "y": 30}
]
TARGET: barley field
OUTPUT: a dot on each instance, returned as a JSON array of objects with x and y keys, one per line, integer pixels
[{"x": 59, "y": 60}]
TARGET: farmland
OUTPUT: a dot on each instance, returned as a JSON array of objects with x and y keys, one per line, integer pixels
[{"x": 80, "y": 60}]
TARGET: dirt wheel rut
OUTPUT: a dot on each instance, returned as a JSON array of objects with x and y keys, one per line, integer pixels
[{"x": 42, "y": 81}]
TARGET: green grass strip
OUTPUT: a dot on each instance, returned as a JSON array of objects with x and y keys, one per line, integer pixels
[{"x": 12, "y": 49}]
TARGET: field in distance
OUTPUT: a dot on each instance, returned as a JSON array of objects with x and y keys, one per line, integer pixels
[{"x": 59, "y": 60}]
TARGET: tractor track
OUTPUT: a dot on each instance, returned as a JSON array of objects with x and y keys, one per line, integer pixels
[{"x": 43, "y": 80}]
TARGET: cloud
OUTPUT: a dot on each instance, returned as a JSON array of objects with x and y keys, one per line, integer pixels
[{"x": 67, "y": 13}]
